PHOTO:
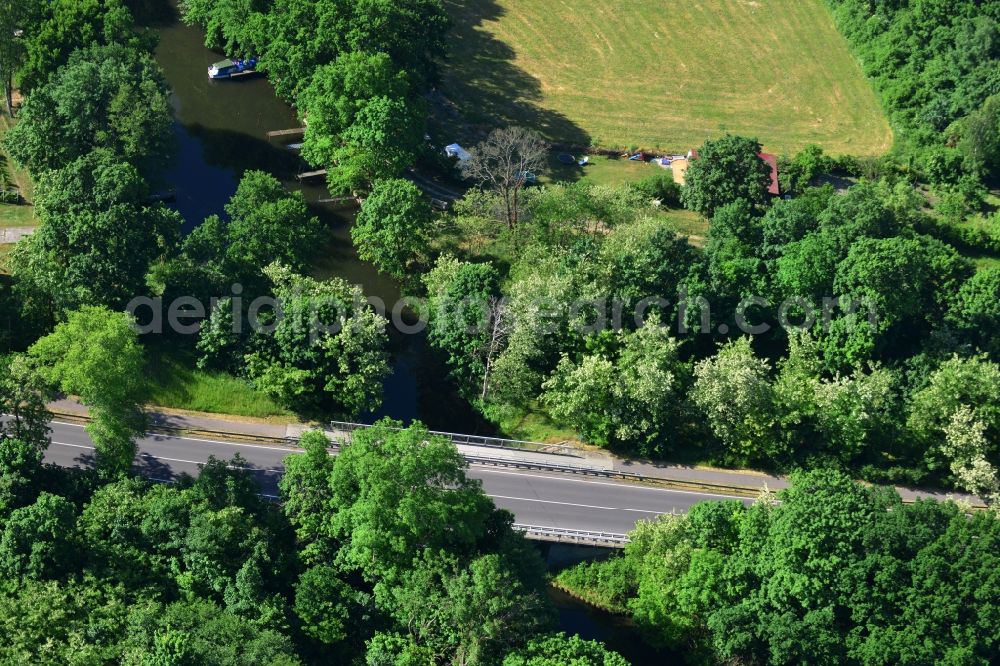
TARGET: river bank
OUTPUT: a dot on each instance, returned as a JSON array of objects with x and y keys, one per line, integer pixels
[
  {"x": 221, "y": 130},
  {"x": 590, "y": 621}
]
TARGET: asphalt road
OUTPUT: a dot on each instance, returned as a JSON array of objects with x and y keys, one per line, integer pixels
[{"x": 545, "y": 499}]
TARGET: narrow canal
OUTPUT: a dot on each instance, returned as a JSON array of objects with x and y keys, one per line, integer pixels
[
  {"x": 221, "y": 130},
  {"x": 577, "y": 617}
]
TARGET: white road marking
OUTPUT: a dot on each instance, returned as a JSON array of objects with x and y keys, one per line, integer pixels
[
  {"x": 584, "y": 506},
  {"x": 608, "y": 483},
  {"x": 153, "y": 435},
  {"x": 487, "y": 468},
  {"x": 287, "y": 449},
  {"x": 179, "y": 460},
  {"x": 504, "y": 497},
  {"x": 75, "y": 446}
]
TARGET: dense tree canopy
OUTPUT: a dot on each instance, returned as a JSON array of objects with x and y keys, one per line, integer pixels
[
  {"x": 54, "y": 30},
  {"x": 836, "y": 573},
  {"x": 390, "y": 553},
  {"x": 111, "y": 97},
  {"x": 393, "y": 227},
  {"x": 975, "y": 310},
  {"x": 302, "y": 35},
  {"x": 624, "y": 392},
  {"x": 239, "y": 27},
  {"x": 884, "y": 305},
  {"x": 415, "y": 561},
  {"x": 266, "y": 224},
  {"x": 95, "y": 249},
  {"x": 384, "y": 139},
  {"x": 562, "y": 650},
  {"x": 726, "y": 170},
  {"x": 327, "y": 351},
  {"x": 933, "y": 62},
  {"x": 338, "y": 92},
  {"x": 391, "y": 512}
]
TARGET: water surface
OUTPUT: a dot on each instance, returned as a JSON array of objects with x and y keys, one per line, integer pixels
[{"x": 221, "y": 129}]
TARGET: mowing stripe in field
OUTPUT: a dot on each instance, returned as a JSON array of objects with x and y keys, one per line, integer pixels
[{"x": 664, "y": 74}]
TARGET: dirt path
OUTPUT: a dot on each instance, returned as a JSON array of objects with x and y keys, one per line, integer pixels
[{"x": 13, "y": 234}]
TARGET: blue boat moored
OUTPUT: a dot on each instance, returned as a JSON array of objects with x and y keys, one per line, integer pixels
[{"x": 227, "y": 69}]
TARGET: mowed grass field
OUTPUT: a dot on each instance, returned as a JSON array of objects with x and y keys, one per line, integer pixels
[{"x": 664, "y": 74}]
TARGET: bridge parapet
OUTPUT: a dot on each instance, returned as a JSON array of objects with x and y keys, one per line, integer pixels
[
  {"x": 563, "y": 535},
  {"x": 343, "y": 430}
]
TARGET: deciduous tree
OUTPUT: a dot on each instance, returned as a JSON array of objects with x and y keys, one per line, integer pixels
[
  {"x": 305, "y": 488},
  {"x": 459, "y": 298},
  {"x": 328, "y": 349},
  {"x": 112, "y": 97},
  {"x": 734, "y": 392},
  {"x": 628, "y": 394},
  {"x": 267, "y": 224},
  {"x": 95, "y": 354},
  {"x": 466, "y": 614},
  {"x": 393, "y": 228},
  {"x": 727, "y": 169},
  {"x": 502, "y": 163},
  {"x": 560, "y": 650},
  {"x": 383, "y": 140},
  {"x": 98, "y": 238},
  {"x": 396, "y": 492},
  {"x": 337, "y": 92},
  {"x": 38, "y": 540}
]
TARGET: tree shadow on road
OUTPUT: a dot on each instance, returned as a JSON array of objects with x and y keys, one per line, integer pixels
[{"x": 153, "y": 468}]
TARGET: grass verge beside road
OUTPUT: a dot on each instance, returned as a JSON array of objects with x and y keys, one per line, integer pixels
[{"x": 175, "y": 383}]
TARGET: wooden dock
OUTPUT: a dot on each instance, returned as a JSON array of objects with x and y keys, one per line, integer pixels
[
  {"x": 295, "y": 131},
  {"x": 161, "y": 197},
  {"x": 340, "y": 200},
  {"x": 305, "y": 175},
  {"x": 342, "y": 203}
]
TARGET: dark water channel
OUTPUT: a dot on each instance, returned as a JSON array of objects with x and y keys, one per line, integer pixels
[
  {"x": 221, "y": 131},
  {"x": 577, "y": 617}
]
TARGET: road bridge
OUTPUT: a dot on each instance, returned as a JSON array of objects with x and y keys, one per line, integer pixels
[{"x": 547, "y": 504}]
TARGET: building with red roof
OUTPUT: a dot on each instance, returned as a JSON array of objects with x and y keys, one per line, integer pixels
[{"x": 772, "y": 161}]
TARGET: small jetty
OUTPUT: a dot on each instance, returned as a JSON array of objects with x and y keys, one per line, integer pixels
[
  {"x": 355, "y": 199},
  {"x": 306, "y": 175},
  {"x": 342, "y": 203},
  {"x": 161, "y": 197},
  {"x": 295, "y": 131}
]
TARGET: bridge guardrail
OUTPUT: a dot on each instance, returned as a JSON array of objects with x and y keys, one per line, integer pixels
[
  {"x": 564, "y": 535},
  {"x": 550, "y": 467},
  {"x": 477, "y": 440},
  {"x": 688, "y": 484}
]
